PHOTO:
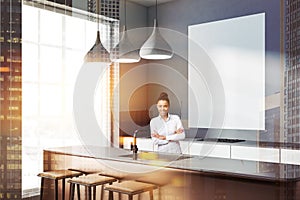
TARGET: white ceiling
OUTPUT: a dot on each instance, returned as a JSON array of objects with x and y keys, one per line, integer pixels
[{"x": 148, "y": 3}]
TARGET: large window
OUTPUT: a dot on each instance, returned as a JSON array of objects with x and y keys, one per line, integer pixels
[{"x": 54, "y": 46}]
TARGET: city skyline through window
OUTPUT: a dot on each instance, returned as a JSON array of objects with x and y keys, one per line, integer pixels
[{"x": 54, "y": 46}]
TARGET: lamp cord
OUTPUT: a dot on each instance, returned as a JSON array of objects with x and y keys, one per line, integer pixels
[
  {"x": 97, "y": 10},
  {"x": 156, "y": 11},
  {"x": 125, "y": 16}
]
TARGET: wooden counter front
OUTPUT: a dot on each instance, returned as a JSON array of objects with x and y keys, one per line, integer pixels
[{"x": 190, "y": 178}]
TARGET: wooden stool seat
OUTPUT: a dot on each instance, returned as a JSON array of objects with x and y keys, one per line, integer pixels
[
  {"x": 57, "y": 175},
  {"x": 90, "y": 181},
  {"x": 119, "y": 177},
  {"x": 131, "y": 188}
]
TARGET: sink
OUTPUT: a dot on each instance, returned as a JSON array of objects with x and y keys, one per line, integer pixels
[{"x": 156, "y": 156}]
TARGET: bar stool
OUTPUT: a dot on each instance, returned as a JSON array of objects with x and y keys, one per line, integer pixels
[
  {"x": 90, "y": 181},
  {"x": 130, "y": 188},
  {"x": 119, "y": 177},
  {"x": 57, "y": 175}
]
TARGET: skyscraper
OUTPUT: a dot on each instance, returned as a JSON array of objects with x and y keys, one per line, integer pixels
[
  {"x": 11, "y": 100},
  {"x": 292, "y": 72},
  {"x": 292, "y": 79}
]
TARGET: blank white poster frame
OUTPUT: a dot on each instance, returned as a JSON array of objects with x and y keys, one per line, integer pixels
[{"x": 236, "y": 47}]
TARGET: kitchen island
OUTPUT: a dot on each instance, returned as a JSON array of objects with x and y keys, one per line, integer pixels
[{"x": 184, "y": 176}]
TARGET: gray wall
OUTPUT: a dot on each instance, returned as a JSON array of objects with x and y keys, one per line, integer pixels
[
  {"x": 137, "y": 17},
  {"x": 136, "y": 14},
  {"x": 178, "y": 15}
]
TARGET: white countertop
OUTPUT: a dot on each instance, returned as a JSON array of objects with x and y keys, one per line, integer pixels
[{"x": 206, "y": 165}]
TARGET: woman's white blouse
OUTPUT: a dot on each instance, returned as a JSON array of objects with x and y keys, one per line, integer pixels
[{"x": 167, "y": 128}]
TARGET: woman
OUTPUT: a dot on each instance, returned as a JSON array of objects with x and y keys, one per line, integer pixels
[{"x": 166, "y": 129}]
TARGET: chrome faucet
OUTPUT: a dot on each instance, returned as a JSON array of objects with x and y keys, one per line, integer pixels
[{"x": 134, "y": 147}]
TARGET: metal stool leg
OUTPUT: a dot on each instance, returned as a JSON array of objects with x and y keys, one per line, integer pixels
[
  {"x": 119, "y": 193},
  {"x": 86, "y": 192},
  {"x": 56, "y": 189},
  {"x": 72, "y": 188},
  {"x": 102, "y": 192},
  {"x": 63, "y": 189},
  {"x": 159, "y": 193},
  {"x": 89, "y": 193},
  {"x": 110, "y": 195},
  {"x": 78, "y": 191},
  {"x": 94, "y": 192},
  {"x": 42, "y": 188},
  {"x": 151, "y": 194}
]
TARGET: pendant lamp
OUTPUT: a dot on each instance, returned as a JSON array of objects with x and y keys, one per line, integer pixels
[
  {"x": 156, "y": 47},
  {"x": 124, "y": 52},
  {"x": 97, "y": 53}
]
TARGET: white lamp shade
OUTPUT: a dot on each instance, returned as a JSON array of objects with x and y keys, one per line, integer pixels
[
  {"x": 97, "y": 53},
  {"x": 124, "y": 52},
  {"x": 156, "y": 47}
]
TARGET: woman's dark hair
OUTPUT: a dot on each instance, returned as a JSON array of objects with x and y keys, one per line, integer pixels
[{"x": 163, "y": 96}]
